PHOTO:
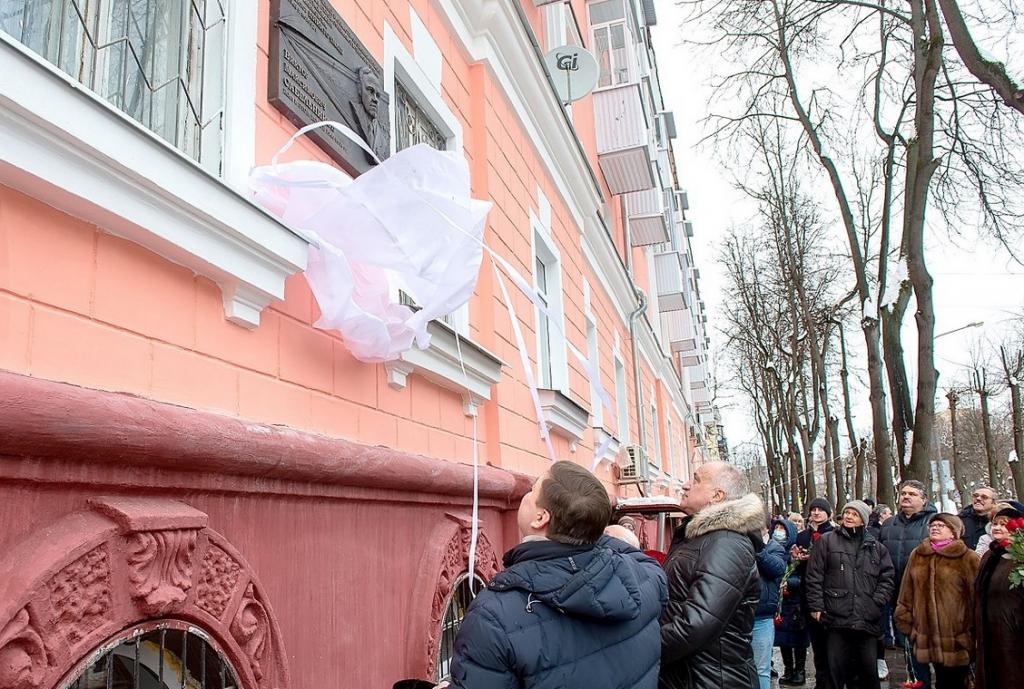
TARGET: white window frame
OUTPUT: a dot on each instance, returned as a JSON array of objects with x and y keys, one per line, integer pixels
[
  {"x": 656, "y": 457},
  {"x": 543, "y": 250},
  {"x": 629, "y": 47},
  {"x": 69, "y": 148},
  {"x": 671, "y": 466},
  {"x": 420, "y": 74},
  {"x": 621, "y": 398},
  {"x": 452, "y": 360},
  {"x": 594, "y": 354}
]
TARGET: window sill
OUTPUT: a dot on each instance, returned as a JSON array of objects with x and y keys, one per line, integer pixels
[
  {"x": 563, "y": 416},
  {"x": 611, "y": 453},
  {"x": 439, "y": 363},
  {"x": 72, "y": 150}
]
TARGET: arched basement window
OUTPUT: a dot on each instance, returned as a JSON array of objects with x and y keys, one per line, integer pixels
[
  {"x": 165, "y": 657},
  {"x": 454, "y": 613}
]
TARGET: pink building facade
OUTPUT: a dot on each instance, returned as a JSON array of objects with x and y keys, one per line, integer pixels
[{"x": 198, "y": 482}]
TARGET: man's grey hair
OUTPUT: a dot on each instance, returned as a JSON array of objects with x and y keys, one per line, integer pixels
[{"x": 728, "y": 479}]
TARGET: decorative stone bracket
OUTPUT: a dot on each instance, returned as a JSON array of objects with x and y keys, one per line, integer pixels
[{"x": 80, "y": 581}]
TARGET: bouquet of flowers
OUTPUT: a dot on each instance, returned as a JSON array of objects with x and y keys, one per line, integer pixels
[
  {"x": 1015, "y": 551},
  {"x": 784, "y": 590}
]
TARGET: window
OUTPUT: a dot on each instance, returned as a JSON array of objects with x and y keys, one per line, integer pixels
[
  {"x": 163, "y": 658},
  {"x": 656, "y": 432},
  {"x": 611, "y": 42},
  {"x": 596, "y": 407},
  {"x": 454, "y": 613},
  {"x": 620, "y": 400},
  {"x": 551, "y": 359},
  {"x": 161, "y": 62},
  {"x": 413, "y": 125},
  {"x": 671, "y": 465}
]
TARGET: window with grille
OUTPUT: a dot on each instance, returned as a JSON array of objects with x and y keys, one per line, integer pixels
[
  {"x": 163, "y": 658},
  {"x": 454, "y": 613},
  {"x": 161, "y": 62},
  {"x": 413, "y": 126}
]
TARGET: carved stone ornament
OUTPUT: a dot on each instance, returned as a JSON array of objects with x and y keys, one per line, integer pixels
[
  {"x": 160, "y": 569},
  {"x": 251, "y": 629},
  {"x": 76, "y": 584},
  {"x": 23, "y": 658},
  {"x": 217, "y": 582},
  {"x": 444, "y": 562}
]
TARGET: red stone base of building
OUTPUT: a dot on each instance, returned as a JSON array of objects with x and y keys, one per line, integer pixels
[{"x": 306, "y": 561}]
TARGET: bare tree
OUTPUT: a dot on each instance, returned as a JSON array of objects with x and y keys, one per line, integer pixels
[{"x": 1011, "y": 356}]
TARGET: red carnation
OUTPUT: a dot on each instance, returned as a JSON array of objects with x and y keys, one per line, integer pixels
[
  {"x": 912, "y": 685},
  {"x": 1005, "y": 542},
  {"x": 785, "y": 593},
  {"x": 778, "y": 620},
  {"x": 815, "y": 536}
]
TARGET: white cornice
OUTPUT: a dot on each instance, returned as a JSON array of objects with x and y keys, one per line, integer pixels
[
  {"x": 67, "y": 147},
  {"x": 563, "y": 416}
]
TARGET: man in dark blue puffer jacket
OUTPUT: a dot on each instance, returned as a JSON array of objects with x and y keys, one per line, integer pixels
[{"x": 573, "y": 608}]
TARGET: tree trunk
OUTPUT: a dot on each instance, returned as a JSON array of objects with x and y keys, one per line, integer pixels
[
  {"x": 830, "y": 486},
  {"x": 861, "y": 461},
  {"x": 837, "y": 459},
  {"x": 921, "y": 166},
  {"x": 956, "y": 466},
  {"x": 885, "y": 490},
  {"x": 1017, "y": 410},
  {"x": 896, "y": 368},
  {"x": 990, "y": 450}
]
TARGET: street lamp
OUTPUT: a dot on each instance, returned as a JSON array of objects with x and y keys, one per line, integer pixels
[{"x": 975, "y": 324}]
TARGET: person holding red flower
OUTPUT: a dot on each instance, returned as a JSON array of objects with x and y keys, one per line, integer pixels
[
  {"x": 819, "y": 514},
  {"x": 999, "y": 612},
  {"x": 771, "y": 565}
]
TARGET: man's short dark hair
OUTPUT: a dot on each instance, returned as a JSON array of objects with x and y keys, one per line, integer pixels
[
  {"x": 577, "y": 502},
  {"x": 916, "y": 485}
]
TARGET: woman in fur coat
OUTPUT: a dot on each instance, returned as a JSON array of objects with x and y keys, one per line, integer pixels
[{"x": 936, "y": 603}]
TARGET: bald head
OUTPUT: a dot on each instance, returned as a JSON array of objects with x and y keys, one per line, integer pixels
[{"x": 623, "y": 534}]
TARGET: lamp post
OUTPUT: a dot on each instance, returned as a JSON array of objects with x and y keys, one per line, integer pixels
[{"x": 975, "y": 324}]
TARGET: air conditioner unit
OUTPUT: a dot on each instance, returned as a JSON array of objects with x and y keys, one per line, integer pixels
[{"x": 632, "y": 464}]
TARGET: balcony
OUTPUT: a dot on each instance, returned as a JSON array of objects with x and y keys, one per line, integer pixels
[
  {"x": 698, "y": 377},
  {"x": 668, "y": 269},
  {"x": 645, "y": 212},
  {"x": 623, "y": 140},
  {"x": 677, "y": 327}
]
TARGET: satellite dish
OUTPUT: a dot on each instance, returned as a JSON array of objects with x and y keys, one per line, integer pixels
[{"x": 573, "y": 71}]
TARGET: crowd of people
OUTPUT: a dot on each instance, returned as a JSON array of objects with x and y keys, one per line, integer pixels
[{"x": 580, "y": 605}]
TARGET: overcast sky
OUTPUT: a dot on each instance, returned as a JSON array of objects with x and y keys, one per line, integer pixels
[{"x": 972, "y": 283}]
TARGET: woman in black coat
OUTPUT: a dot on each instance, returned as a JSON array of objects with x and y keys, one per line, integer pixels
[
  {"x": 791, "y": 626},
  {"x": 849, "y": 578},
  {"x": 999, "y": 614}
]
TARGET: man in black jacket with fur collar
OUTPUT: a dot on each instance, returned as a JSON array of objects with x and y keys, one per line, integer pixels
[{"x": 713, "y": 584}]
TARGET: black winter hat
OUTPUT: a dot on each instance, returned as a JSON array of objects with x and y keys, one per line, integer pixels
[{"x": 822, "y": 503}]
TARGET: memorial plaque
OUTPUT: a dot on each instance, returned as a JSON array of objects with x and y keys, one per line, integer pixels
[{"x": 319, "y": 71}]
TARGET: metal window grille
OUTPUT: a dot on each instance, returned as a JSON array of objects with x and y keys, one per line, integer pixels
[
  {"x": 413, "y": 126},
  {"x": 161, "y": 62},
  {"x": 162, "y": 658},
  {"x": 454, "y": 613}
]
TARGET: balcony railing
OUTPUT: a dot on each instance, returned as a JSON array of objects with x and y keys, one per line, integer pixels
[
  {"x": 668, "y": 270},
  {"x": 623, "y": 139},
  {"x": 645, "y": 212}
]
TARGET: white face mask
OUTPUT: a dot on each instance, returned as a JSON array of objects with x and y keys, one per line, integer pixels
[{"x": 780, "y": 536}]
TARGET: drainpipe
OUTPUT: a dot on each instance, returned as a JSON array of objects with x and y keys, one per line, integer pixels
[{"x": 641, "y": 307}]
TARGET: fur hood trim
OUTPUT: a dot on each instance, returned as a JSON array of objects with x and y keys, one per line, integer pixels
[{"x": 742, "y": 515}]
